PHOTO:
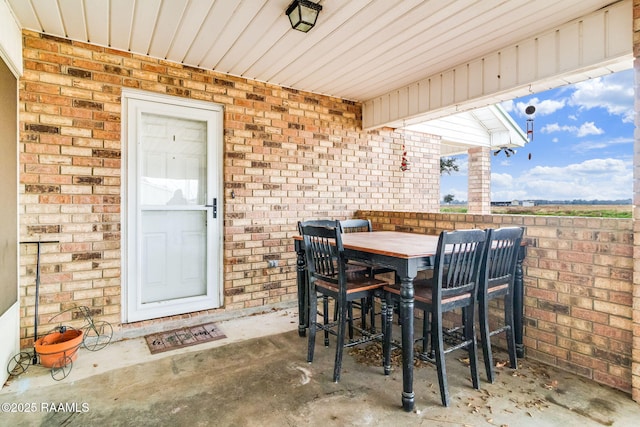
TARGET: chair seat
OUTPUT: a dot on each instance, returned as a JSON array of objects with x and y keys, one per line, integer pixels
[
  {"x": 498, "y": 290},
  {"x": 423, "y": 292},
  {"x": 358, "y": 284}
]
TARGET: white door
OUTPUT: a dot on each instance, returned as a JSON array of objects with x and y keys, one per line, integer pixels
[{"x": 173, "y": 225}]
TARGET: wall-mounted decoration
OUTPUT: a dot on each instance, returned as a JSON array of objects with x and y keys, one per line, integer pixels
[{"x": 404, "y": 164}]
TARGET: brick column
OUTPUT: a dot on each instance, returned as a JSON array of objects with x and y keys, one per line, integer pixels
[
  {"x": 635, "y": 366},
  {"x": 479, "y": 180}
]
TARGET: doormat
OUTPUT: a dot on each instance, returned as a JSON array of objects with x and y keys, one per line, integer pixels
[{"x": 183, "y": 337}]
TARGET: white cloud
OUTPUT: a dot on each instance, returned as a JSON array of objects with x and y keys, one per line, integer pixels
[
  {"x": 548, "y": 106},
  {"x": 555, "y": 127},
  {"x": 590, "y": 145},
  {"x": 504, "y": 188},
  {"x": 509, "y": 106},
  {"x": 501, "y": 179},
  {"x": 587, "y": 128},
  {"x": 596, "y": 179},
  {"x": 543, "y": 108},
  {"x": 612, "y": 92}
]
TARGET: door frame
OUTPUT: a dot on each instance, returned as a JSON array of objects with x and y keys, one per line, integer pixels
[{"x": 129, "y": 205}]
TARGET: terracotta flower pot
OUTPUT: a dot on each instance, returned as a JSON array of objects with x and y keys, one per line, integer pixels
[{"x": 57, "y": 349}]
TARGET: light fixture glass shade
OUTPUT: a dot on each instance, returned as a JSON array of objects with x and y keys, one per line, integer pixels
[{"x": 303, "y": 14}]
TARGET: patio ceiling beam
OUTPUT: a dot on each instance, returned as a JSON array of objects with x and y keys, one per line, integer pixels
[{"x": 594, "y": 45}]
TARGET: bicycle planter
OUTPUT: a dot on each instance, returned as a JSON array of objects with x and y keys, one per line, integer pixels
[{"x": 59, "y": 349}]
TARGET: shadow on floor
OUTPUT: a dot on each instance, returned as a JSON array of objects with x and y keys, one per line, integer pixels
[{"x": 266, "y": 381}]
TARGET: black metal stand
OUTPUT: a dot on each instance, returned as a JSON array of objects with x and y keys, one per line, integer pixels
[{"x": 35, "y": 323}]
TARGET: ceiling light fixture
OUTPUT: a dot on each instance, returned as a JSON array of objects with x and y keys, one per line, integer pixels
[
  {"x": 506, "y": 150},
  {"x": 303, "y": 14}
]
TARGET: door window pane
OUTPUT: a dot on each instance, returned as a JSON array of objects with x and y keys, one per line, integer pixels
[{"x": 174, "y": 153}]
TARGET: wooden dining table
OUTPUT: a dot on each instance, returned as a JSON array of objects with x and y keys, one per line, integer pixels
[{"x": 407, "y": 254}]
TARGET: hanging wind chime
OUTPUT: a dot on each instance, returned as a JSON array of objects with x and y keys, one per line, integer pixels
[
  {"x": 404, "y": 166},
  {"x": 529, "y": 111}
]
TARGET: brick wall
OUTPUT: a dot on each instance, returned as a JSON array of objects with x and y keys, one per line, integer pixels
[
  {"x": 578, "y": 277},
  {"x": 636, "y": 204},
  {"x": 288, "y": 156}
]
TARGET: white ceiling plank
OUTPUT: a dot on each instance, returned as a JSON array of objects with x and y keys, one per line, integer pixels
[
  {"x": 418, "y": 39},
  {"x": 190, "y": 24},
  {"x": 413, "y": 38},
  {"x": 448, "y": 45},
  {"x": 26, "y": 14},
  {"x": 209, "y": 31},
  {"x": 256, "y": 38},
  {"x": 144, "y": 24},
  {"x": 73, "y": 16},
  {"x": 359, "y": 49},
  {"x": 370, "y": 22},
  {"x": 166, "y": 29},
  {"x": 97, "y": 23},
  {"x": 49, "y": 16},
  {"x": 443, "y": 47},
  {"x": 516, "y": 27},
  {"x": 549, "y": 75},
  {"x": 261, "y": 49},
  {"x": 241, "y": 22},
  {"x": 295, "y": 43},
  {"x": 121, "y": 24}
]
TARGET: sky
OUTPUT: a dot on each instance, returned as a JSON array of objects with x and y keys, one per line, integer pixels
[{"x": 582, "y": 146}]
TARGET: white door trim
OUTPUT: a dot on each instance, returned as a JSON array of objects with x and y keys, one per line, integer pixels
[{"x": 215, "y": 151}]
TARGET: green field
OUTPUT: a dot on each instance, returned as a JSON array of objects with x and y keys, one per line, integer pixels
[{"x": 595, "y": 211}]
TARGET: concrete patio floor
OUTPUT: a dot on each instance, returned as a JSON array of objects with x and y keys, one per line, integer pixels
[{"x": 258, "y": 376}]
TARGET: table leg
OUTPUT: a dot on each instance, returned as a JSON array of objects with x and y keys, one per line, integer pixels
[
  {"x": 518, "y": 304},
  {"x": 303, "y": 306},
  {"x": 406, "y": 316}
]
